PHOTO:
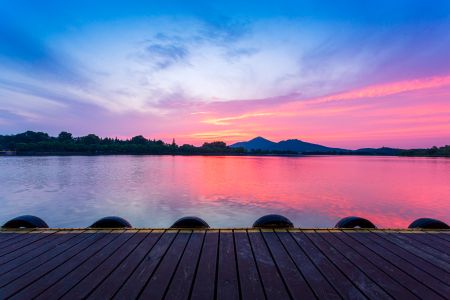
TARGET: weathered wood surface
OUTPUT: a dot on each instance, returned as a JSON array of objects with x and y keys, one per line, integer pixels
[{"x": 224, "y": 264}]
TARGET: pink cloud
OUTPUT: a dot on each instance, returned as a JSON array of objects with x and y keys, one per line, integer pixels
[{"x": 412, "y": 113}]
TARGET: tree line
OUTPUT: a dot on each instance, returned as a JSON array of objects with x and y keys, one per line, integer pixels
[
  {"x": 31, "y": 142},
  {"x": 432, "y": 152},
  {"x": 38, "y": 143}
]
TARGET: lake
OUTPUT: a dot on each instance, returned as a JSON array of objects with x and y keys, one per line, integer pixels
[{"x": 226, "y": 191}]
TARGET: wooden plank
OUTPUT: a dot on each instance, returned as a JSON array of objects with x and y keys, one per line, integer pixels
[
  {"x": 250, "y": 282},
  {"x": 8, "y": 235},
  {"x": 160, "y": 280},
  {"x": 441, "y": 235},
  {"x": 54, "y": 275},
  {"x": 393, "y": 271},
  {"x": 52, "y": 257},
  {"x": 439, "y": 239},
  {"x": 90, "y": 282},
  {"x": 335, "y": 277},
  {"x": 109, "y": 287},
  {"x": 418, "y": 261},
  {"x": 139, "y": 278},
  {"x": 245, "y": 264},
  {"x": 46, "y": 265},
  {"x": 59, "y": 288},
  {"x": 319, "y": 284},
  {"x": 13, "y": 237},
  {"x": 273, "y": 284},
  {"x": 227, "y": 276},
  {"x": 21, "y": 251},
  {"x": 358, "y": 278},
  {"x": 406, "y": 266},
  {"x": 182, "y": 282},
  {"x": 10, "y": 264},
  {"x": 294, "y": 280},
  {"x": 429, "y": 244},
  {"x": 205, "y": 277},
  {"x": 363, "y": 262},
  {"x": 417, "y": 249},
  {"x": 18, "y": 243}
]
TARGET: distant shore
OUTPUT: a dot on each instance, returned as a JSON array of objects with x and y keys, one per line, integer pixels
[
  {"x": 32, "y": 143},
  {"x": 36, "y": 154}
]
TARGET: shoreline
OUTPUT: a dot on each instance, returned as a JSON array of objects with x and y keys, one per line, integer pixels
[{"x": 36, "y": 154}]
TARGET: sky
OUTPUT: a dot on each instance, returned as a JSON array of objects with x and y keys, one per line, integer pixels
[{"x": 348, "y": 74}]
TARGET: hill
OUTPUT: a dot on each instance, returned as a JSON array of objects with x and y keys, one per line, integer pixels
[{"x": 294, "y": 145}]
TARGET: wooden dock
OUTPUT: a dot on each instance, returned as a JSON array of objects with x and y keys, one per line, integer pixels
[{"x": 224, "y": 264}]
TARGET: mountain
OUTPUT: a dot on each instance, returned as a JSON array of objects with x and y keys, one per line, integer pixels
[{"x": 260, "y": 143}]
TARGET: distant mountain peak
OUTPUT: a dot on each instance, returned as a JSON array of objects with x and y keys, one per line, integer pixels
[
  {"x": 295, "y": 145},
  {"x": 260, "y": 138}
]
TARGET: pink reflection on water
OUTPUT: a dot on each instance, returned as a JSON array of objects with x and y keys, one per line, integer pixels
[
  {"x": 154, "y": 191},
  {"x": 318, "y": 191}
]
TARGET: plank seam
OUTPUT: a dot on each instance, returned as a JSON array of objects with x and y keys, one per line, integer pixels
[
  {"x": 236, "y": 265},
  {"x": 191, "y": 288},
  {"x": 157, "y": 265},
  {"x": 426, "y": 286},
  {"x": 386, "y": 261},
  {"x": 438, "y": 238},
  {"x": 26, "y": 236},
  {"x": 28, "y": 271},
  {"x": 216, "y": 279},
  {"x": 137, "y": 265},
  {"x": 412, "y": 237},
  {"x": 118, "y": 265},
  {"x": 53, "y": 268},
  {"x": 31, "y": 257},
  {"x": 408, "y": 261},
  {"x": 176, "y": 268},
  {"x": 276, "y": 265},
  {"x": 79, "y": 264},
  {"x": 412, "y": 253},
  {"x": 95, "y": 268},
  {"x": 26, "y": 245},
  {"x": 293, "y": 261},
  {"x": 314, "y": 264},
  {"x": 256, "y": 264},
  {"x": 357, "y": 267},
  {"x": 332, "y": 262}
]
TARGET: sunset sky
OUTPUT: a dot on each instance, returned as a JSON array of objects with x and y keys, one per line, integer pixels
[{"x": 347, "y": 74}]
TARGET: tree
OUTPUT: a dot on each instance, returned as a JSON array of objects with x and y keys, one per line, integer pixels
[
  {"x": 139, "y": 139},
  {"x": 31, "y": 137},
  {"x": 65, "y": 137},
  {"x": 90, "y": 139}
]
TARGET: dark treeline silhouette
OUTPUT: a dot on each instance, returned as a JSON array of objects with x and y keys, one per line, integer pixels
[
  {"x": 40, "y": 143},
  {"x": 30, "y": 143},
  {"x": 434, "y": 151}
]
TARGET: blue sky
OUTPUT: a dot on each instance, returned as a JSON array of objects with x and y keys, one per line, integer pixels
[{"x": 171, "y": 69}]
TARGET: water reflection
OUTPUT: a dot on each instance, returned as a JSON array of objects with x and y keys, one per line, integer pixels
[{"x": 225, "y": 191}]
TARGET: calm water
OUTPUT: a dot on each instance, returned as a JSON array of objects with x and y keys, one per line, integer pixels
[{"x": 154, "y": 191}]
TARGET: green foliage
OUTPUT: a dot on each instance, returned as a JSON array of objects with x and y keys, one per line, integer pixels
[
  {"x": 139, "y": 140},
  {"x": 41, "y": 143},
  {"x": 65, "y": 137}
]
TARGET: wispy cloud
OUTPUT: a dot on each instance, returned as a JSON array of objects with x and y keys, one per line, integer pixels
[
  {"x": 220, "y": 135},
  {"x": 227, "y": 120},
  {"x": 387, "y": 89}
]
